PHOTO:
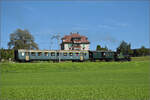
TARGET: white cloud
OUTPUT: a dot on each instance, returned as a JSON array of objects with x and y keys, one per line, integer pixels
[
  {"x": 29, "y": 8},
  {"x": 105, "y": 26},
  {"x": 113, "y": 25},
  {"x": 122, "y": 24},
  {"x": 119, "y": 23},
  {"x": 79, "y": 27}
]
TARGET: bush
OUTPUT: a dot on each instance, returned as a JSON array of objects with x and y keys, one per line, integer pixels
[{"x": 6, "y": 54}]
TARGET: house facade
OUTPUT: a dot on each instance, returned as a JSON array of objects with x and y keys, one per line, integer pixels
[{"x": 75, "y": 41}]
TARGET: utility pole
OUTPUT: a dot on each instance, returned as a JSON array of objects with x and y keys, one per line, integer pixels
[
  {"x": 57, "y": 36},
  {"x": 51, "y": 43},
  {"x": 59, "y": 47},
  {"x": 30, "y": 44}
]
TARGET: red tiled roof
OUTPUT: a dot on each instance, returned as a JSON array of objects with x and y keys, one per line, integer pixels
[
  {"x": 67, "y": 38},
  {"x": 76, "y": 46}
]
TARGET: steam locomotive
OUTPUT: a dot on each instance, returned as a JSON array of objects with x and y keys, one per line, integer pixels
[{"x": 68, "y": 55}]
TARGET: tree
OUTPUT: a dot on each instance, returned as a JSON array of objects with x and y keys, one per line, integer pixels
[
  {"x": 6, "y": 54},
  {"x": 130, "y": 51},
  {"x": 105, "y": 48},
  {"x": 143, "y": 51},
  {"x": 125, "y": 48},
  {"x": 22, "y": 39},
  {"x": 99, "y": 48}
]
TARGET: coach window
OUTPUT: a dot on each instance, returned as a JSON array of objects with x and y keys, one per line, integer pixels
[
  {"x": 77, "y": 54},
  {"x": 70, "y": 53},
  {"x": 65, "y": 54},
  {"x": 107, "y": 54},
  {"x": 104, "y": 54},
  {"x": 57, "y": 53},
  {"x": 39, "y": 53},
  {"x": 46, "y": 53},
  {"x": 84, "y": 54},
  {"x": 22, "y": 53},
  {"x": 81, "y": 54},
  {"x": 33, "y": 53},
  {"x": 52, "y": 53},
  {"x": 27, "y": 53}
]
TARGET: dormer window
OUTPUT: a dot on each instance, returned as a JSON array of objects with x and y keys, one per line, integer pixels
[{"x": 64, "y": 40}]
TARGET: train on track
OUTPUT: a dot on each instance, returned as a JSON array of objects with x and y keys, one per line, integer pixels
[{"x": 68, "y": 55}]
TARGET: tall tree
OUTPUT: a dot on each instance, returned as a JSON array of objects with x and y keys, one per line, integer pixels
[
  {"x": 22, "y": 39},
  {"x": 143, "y": 51},
  {"x": 99, "y": 48},
  {"x": 125, "y": 48}
]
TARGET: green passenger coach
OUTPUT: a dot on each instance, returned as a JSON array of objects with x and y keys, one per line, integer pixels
[
  {"x": 53, "y": 55},
  {"x": 102, "y": 55}
]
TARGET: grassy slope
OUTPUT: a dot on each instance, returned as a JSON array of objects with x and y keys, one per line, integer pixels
[
  {"x": 144, "y": 58},
  {"x": 76, "y": 81}
]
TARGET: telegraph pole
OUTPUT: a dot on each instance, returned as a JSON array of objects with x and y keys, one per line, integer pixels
[
  {"x": 59, "y": 47},
  {"x": 57, "y": 36}
]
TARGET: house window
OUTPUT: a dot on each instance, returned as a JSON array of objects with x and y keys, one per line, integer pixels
[
  {"x": 69, "y": 45},
  {"x": 64, "y": 40}
]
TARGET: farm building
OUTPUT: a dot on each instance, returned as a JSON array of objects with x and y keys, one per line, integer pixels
[{"x": 75, "y": 41}]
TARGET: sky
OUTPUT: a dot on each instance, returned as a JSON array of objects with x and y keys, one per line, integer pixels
[{"x": 105, "y": 23}]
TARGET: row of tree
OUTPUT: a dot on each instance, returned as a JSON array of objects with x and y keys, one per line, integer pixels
[
  {"x": 140, "y": 52},
  {"x": 125, "y": 48},
  {"x": 22, "y": 39},
  {"x": 7, "y": 54}
]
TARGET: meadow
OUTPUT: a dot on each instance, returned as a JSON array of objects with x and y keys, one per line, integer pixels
[{"x": 76, "y": 81}]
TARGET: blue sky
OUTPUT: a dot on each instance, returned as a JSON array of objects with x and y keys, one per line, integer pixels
[{"x": 103, "y": 22}]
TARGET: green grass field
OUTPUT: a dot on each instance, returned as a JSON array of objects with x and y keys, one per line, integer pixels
[
  {"x": 76, "y": 81},
  {"x": 143, "y": 58}
]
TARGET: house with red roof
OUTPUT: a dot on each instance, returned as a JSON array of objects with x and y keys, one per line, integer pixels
[{"x": 75, "y": 41}]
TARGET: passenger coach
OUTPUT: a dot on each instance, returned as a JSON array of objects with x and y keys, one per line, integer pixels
[
  {"x": 102, "y": 55},
  {"x": 51, "y": 55}
]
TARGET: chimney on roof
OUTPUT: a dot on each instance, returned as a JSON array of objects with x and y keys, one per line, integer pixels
[{"x": 70, "y": 32}]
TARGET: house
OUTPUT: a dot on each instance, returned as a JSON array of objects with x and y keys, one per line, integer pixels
[{"x": 75, "y": 41}]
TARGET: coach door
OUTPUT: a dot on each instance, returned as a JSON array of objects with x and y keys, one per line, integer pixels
[
  {"x": 103, "y": 54},
  {"x": 81, "y": 57},
  {"x": 27, "y": 56}
]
